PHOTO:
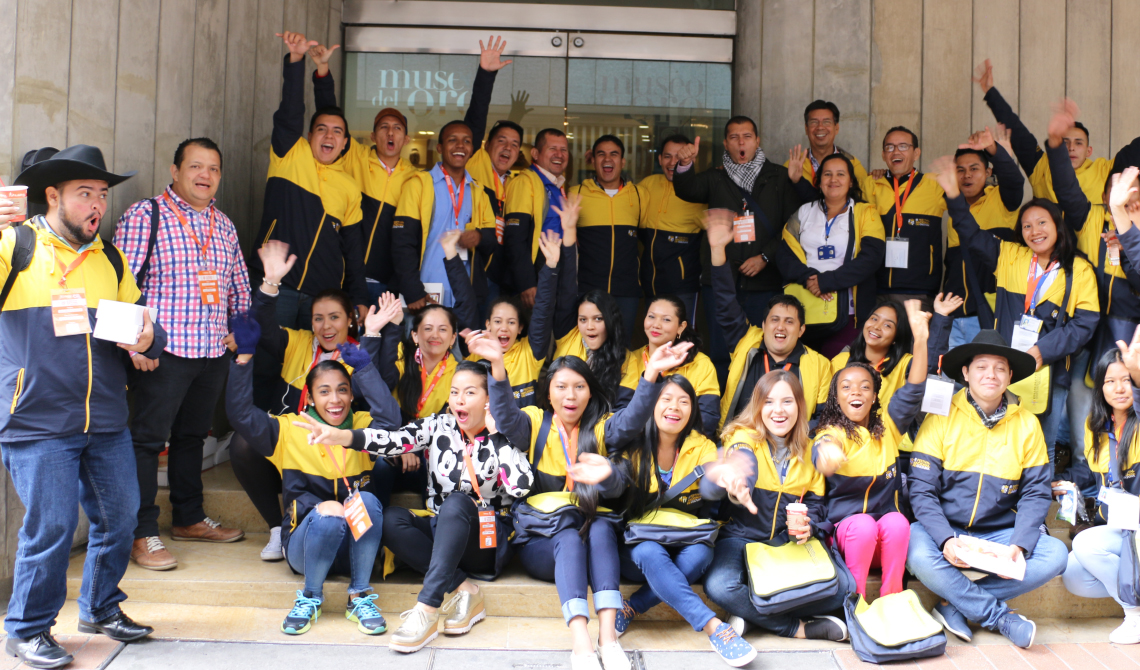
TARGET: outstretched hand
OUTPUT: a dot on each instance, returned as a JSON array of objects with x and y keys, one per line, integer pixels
[
  {"x": 551, "y": 244},
  {"x": 297, "y": 45},
  {"x": 984, "y": 76},
  {"x": 731, "y": 473},
  {"x": 487, "y": 348},
  {"x": 1065, "y": 115},
  {"x": 321, "y": 55},
  {"x": 666, "y": 358},
  {"x": 946, "y": 173},
  {"x": 322, "y": 433},
  {"x": 590, "y": 469},
  {"x": 276, "y": 261},
  {"x": 796, "y": 157},
  {"x": 1130, "y": 353},
  {"x": 386, "y": 310},
  {"x": 918, "y": 319},
  {"x": 568, "y": 212},
  {"x": 982, "y": 140},
  {"x": 491, "y": 55},
  {"x": 947, "y": 305}
]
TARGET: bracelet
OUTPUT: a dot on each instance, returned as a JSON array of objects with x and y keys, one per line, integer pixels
[
  {"x": 269, "y": 283},
  {"x": 372, "y": 335}
]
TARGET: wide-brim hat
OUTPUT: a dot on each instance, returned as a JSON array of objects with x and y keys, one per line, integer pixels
[
  {"x": 81, "y": 161},
  {"x": 988, "y": 343}
]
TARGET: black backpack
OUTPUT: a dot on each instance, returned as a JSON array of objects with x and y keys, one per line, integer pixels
[{"x": 25, "y": 249}]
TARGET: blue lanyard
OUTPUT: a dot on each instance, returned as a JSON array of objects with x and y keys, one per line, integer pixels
[
  {"x": 1039, "y": 286},
  {"x": 831, "y": 222},
  {"x": 1114, "y": 459}
]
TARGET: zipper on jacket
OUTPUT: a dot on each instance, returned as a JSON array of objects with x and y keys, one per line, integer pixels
[
  {"x": 867, "y": 495},
  {"x": 19, "y": 389},
  {"x": 653, "y": 262},
  {"x": 613, "y": 246},
  {"x": 977, "y": 499},
  {"x": 88, "y": 401},
  {"x": 775, "y": 513},
  {"x": 375, "y": 225},
  {"x": 931, "y": 270},
  {"x": 270, "y": 233},
  {"x": 313, "y": 248}
]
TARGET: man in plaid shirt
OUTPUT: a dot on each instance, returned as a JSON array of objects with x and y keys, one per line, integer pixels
[{"x": 196, "y": 277}]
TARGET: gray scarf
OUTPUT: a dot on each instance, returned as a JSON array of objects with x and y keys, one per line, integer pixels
[
  {"x": 992, "y": 420},
  {"x": 744, "y": 175}
]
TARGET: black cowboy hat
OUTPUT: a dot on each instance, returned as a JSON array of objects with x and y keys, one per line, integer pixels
[
  {"x": 988, "y": 343},
  {"x": 81, "y": 161}
]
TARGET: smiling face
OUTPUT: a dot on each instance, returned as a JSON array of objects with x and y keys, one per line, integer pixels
[
  {"x": 327, "y": 138},
  {"x": 821, "y": 129},
  {"x": 834, "y": 180},
  {"x": 782, "y": 330},
  {"x": 456, "y": 147},
  {"x": 591, "y": 325},
  {"x": 741, "y": 142},
  {"x": 1117, "y": 387},
  {"x": 504, "y": 149},
  {"x": 330, "y": 323},
  {"x": 880, "y": 329},
  {"x": 468, "y": 401},
  {"x": 673, "y": 409},
  {"x": 988, "y": 377},
  {"x": 855, "y": 392},
  {"x": 608, "y": 164},
  {"x": 390, "y": 136},
  {"x": 662, "y": 323},
  {"x": 554, "y": 156},
  {"x": 1078, "y": 145},
  {"x": 1039, "y": 231},
  {"x": 569, "y": 394},
  {"x": 504, "y": 325},
  {"x": 434, "y": 335},
  {"x": 899, "y": 153},
  {"x": 196, "y": 180},
  {"x": 331, "y": 392},
  {"x": 668, "y": 158},
  {"x": 779, "y": 410},
  {"x": 79, "y": 204},
  {"x": 972, "y": 175}
]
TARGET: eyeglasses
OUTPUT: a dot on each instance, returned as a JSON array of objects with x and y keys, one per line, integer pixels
[
  {"x": 826, "y": 123},
  {"x": 889, "y": 148}
]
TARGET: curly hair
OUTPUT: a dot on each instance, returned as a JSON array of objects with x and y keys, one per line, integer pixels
[{"x": 831, "y": 414}]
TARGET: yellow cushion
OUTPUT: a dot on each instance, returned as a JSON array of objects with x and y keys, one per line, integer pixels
[
  {"x": 897, "y": 619},
  {"x": 772, "y": 570}
]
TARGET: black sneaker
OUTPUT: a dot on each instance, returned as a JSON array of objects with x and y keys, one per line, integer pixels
[{"x": 825, "y": 628}]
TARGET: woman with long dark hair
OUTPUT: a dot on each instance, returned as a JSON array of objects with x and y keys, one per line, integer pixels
[
  {"x": 1046, "y": 292},
  {"x": 1112, "y": 447},
  {"x": 567, "y": 442}
]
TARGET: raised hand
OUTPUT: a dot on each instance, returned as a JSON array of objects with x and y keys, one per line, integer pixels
[
  {"x": 297, "y": 45},
  {"x": 276, "y": 261},
  {"x": 386, "y": 310},
  {"x": 1065, "y": 115},
  {"x": 948, "y": 304},
  {"x": 551, "y": 244},
  {"x": 984, "y": 76},
  {"x": 518, "y": 107},
  {"x": 491, "y": 56},
  {"x": 688, "y": 152},
  {"x": 321, "y": 55},
  {"x": 480, "y": 345},
  {"x": 1130, "y": 353},
  {"x": 982, "y": 140},
  {"x": 590, "y": 469},
  {"x": 919, "y": 320},
  {"x": 568, "y": 212},
  {"x": 450, "y": 243},
  {"x": 718, "y": 222},
  {"x": 946, "y": 173},
  {"x": 1124, "y": 187},
  {"x": 666, "y": 358},
  {"x": 796, "y": 156},
  {"x": 1004, "y": 137}
]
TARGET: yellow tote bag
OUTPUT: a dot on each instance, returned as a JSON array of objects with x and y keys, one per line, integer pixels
[
  {"x": 817, "y": 311},
  {"x": 1034, "y": 391}
]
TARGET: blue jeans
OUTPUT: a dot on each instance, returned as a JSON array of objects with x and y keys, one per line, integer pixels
[
  {"x": 668, "y": 573},
  {"x": 964, "y": 330},
  {"x": 375, "y": 290},
  {"x": 983, "y": 601},
  {"x": 571, "y": 563},
  {"x": 45, "y": 473},
  {"x": 1052, "y": 424},
  {"x": 727, "y": 585},
  {"x": 1079, "y": 406},
  {"x": 1094, "y": 564},
  {"x": 322, "y": 544},
  {"x": 294, "y": 309}
]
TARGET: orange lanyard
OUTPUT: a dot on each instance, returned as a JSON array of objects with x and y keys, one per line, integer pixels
[
  {"x": 339, "y": 468},
  {"x": 1033, "y": 281},
  {"x": 498, "y": 181},
  {"x": 66, "y": 270},
  {"x": 880, "y": 364},
  {"x": 767, "y": 369},
  {"x": 439, "y": 370},
  {"x": 468, "y": 448},
  {"x": 900, "y": 203},
  {"x": 569, "y": 449},
  {"x": 316, "y": 359},
  {"x": 188, "y": 229},
  {"x": 457, "y": 204}
]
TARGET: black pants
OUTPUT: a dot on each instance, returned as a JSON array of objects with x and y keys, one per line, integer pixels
[
  {"x": 259, "y": 478},
  {"x": 176, "y": 400},
  {"x": 389, "y": 477},
  {"x": 445, "y": 555}
]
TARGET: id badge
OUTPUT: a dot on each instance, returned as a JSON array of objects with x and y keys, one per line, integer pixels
[
  {"x": 356, "y": 515},
  {"x": 826, "y": 252},
  {"x": 744, "y": 228},
  {"x": 898, "y": 250},
  {"x": 939, "y": 393},
  {"x": 69, "y": 312},
  {"x": 1113, "y": 255},
  {"x": 208, "y": 286},
  {"x": 500, "y": 226},
  {"x": 488, "y": 530}
]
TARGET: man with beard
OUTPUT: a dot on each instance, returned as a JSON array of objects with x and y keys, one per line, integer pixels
[{"x": 67, "y": 421}]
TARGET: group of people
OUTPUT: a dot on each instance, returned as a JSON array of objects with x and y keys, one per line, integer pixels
[{"x": 463, "y": 333}]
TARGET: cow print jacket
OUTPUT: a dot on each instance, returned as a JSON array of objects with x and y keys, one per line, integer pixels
[{"x": 503, "y": 471}]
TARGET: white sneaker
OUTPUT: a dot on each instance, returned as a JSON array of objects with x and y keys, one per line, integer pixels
[
  {"x": 613, "y": 656},
  {"x": 739, "y": 625},
  {"x": 272, "y": 550},
  {"x": 584, "y": 662},
  {"x": 1128, "y": 632}
]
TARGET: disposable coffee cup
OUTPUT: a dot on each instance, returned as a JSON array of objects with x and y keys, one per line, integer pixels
[
  {"x": 797, "y": 515},
  {"x": 19, "y": 197}
]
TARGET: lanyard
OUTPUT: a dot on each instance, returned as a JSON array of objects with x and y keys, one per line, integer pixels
[
  {"x": 1114, "y": 437},
  {"x": 427, "y": 389},
  {"x": 339, "y": 468},
  {"x": 1034, "y": 284},
  {"x": 767, "y": 369},
  {"x": 831, "y": 222},
  {"x": 468, "y": 448},
  {"x": 880, "y": 364},
  {"x": 186, "y": 226},
  {"x": 457, "y": 204},
  {"x": 316, "y": 359},
  {"x": 569, "y": 449},
  {"x": 499, "y": 186},
  {"x": 901, "y": 202},
  {"x": 66, "y": 270}
]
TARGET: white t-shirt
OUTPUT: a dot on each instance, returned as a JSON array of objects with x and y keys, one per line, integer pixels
[{"x": 814, "y": 235}]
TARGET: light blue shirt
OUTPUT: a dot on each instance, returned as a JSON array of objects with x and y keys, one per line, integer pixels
[{"x": 443, "y": 220}]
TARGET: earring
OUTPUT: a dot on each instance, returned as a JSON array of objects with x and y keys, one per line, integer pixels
[{"x": 419, "y": 357}]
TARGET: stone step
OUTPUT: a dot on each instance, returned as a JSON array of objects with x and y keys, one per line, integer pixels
[{"x": 234, "y": 575}]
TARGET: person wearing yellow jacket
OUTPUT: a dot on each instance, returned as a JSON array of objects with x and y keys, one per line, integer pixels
[
  {"x": 831, "y": 250},
  {"x": 821, "y": 124},
  {"x": 757, "y": 351},
  {"x": 982, "y": 472},
  {"x": 610, "y": 214},
  {"x": 670, "y": 234},
  {"x": 1091, "y": 174}
]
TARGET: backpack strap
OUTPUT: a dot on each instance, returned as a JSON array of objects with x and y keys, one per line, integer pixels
[
  {"x": 1065, "y": 300},
  {"x": 679, "y": 487},
  {"x": 115, "y": 257},
  {"x": 22, "y": 254},
  {"x": 140, "y": 278},
  {"x": 540, "y": 441}
]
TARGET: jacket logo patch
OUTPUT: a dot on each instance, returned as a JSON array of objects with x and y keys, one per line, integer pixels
[
  {"x": 398, "y": 224},
  {"x": 1009, "y": 489},
  {"x": 1055, "y": 314},
  {"x": 678, "y": 239},
  {"x": 525, "y": 392},
  {"x": 512, "y": 222},
  {"x": 1131, "y": 474},
  {"x": 916, "y": 221},
  {"x": 632, "y": 233},
  {"x": 919, "y": 463}
]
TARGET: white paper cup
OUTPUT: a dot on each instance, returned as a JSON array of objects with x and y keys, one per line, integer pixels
[
  {"x": 797, "y": 515},
  {"x": 19, "y": 197}
]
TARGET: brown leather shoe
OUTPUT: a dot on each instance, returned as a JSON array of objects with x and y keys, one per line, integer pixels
[
  {"x": 150, "y": 553},
  {"x": 206, "y": 530}
]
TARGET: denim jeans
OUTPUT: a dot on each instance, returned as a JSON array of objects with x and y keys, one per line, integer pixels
[
  {"x": 44, "y": 473},
  {"x": 294, "y": 309},
  {"x": 1079, "y": 406},
  {"x": 983, "y": 601},
  {"x": 1094, "y": 564},
  {"x": 964, "y": 330},
  {"x": 375, "y": 290},
  {"x": 572, "y": 563},
  {"x": 727, "y": 585},
  {"x": 668, "y": 573},
  {"x": 388, "y": 476},
  {"x": 323, "y": 544}
]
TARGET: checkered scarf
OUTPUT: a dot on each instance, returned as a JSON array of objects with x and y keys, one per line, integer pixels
[{"x": 744, "y": 174}]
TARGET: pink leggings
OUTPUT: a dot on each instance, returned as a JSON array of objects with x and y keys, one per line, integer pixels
[{"x": 865, "y": 543}]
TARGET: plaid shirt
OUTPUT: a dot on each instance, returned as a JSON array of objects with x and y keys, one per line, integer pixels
[{"x": 194, "y": 330}]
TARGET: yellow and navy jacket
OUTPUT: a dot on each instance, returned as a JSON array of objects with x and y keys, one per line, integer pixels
[
  {"x": 1059, "y": 337},
  {"x": 770, "y": 495},
  {"x": 413, "y": 223},
  {"x": 526, "y": 206},
  {"x": 607, "y": 238},
  {"x": 805, "y": 187},
  {"x": 868, "y": 482},
  {"x": 893, "y": 373},
  {"x": 308, "y": 476},
  {"x": 670, "y": 236},
  {"x": 964, "y": 476},
  {"x": 314, "y": 208},
  {"x": 994, "y": 211},
  {"x": 695, "y": 450},
  {"x": 490, "y": 252},
  {"x": 922, "y": 227},
  {"x": 701, "y": 374},
  {"x": 747, "y": 345},
  {"x": 1098, "y": 453},
  {"x": 62, "y": 385},
  {"x": 1091, "y": 174},
  {"x": 861, "y": 259}
]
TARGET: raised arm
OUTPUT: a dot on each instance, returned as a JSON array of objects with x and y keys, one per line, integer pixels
[
  {"x": 1024, "y": 143},
  {"x": 1070, "y": 197},
  {"x": 289, "y": 119},
  {"x": 1011, "y": 183},
  {"x": 984, "y": 246},
  {"x": 688, "y": 184},
  {"x": 490, "y": 62},
  {"x": 466, "y": 304},
  {"x": 729, "y": 314},
  {"x": 906, "y": 402},
  {"x": 259, "y": 429},
  {"x": 276, "y": 262},
  {"x": 542, "y": 316}
]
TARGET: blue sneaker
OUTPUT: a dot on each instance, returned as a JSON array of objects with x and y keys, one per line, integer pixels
[
  {"x": 732, "y": 648},
  {"x": 1017, "y": 629},
  {"x": 367, "y": 616},
  {"x": 953, "y": 621},
  {"x": 300, "y": 619},
  {"x": 625, "y": 616}
]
